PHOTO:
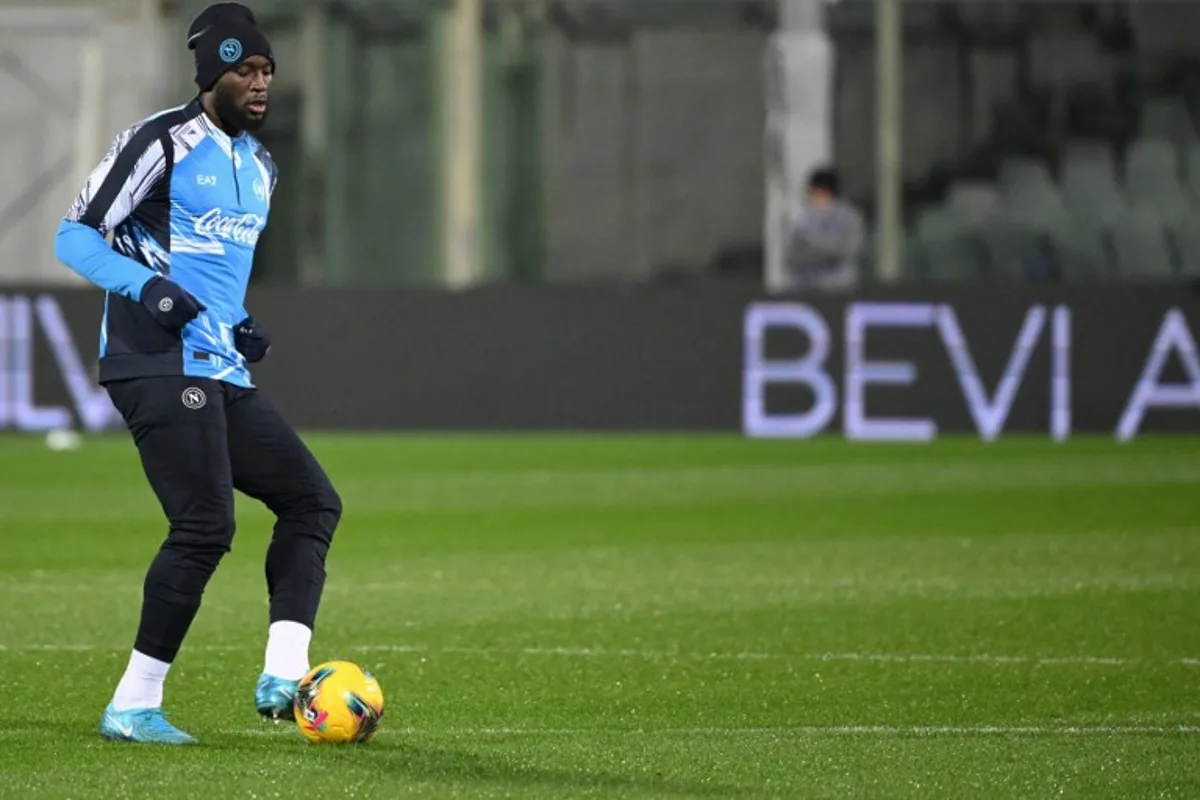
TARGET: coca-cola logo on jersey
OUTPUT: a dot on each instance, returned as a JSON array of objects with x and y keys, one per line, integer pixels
[{"x": 243, "y": 230}]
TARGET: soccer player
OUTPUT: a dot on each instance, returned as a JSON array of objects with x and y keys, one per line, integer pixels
[{"x": 185, "y": 195}]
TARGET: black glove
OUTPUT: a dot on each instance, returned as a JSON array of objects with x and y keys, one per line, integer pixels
[
  {"x": 170, "y": 305},
  {"x": 252, "y": 340}
]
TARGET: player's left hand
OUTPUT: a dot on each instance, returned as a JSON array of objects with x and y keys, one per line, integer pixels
[{"x": 252, "y": 340}]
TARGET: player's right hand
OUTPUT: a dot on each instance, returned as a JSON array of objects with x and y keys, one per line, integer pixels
[{"x": 169, "y": 303}]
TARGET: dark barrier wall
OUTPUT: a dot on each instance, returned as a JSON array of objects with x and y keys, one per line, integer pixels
[{"x": 901, "y": 365}]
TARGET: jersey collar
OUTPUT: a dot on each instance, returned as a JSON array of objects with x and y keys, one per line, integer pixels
[{"x": 214, "y": 130}]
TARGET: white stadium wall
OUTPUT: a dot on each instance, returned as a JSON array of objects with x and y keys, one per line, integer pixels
[{"x": 72, "y": 76}]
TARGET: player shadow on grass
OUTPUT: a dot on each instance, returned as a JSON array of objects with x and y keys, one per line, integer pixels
[
  {"x": 465, "y": 766},
  {"x": 439, "y": 764}
]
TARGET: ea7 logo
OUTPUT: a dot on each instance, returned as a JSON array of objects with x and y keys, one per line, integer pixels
[{"x": 206, "y": 180}]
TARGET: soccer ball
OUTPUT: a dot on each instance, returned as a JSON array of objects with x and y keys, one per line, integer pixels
[{"x": 338, "y": 702}]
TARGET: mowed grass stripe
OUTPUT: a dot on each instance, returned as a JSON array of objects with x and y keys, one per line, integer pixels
[
  {"x": 385, "y": 488},
  {"x": 932, "y": 659}
]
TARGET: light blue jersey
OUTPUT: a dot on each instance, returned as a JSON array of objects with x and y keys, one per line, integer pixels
[{"x": 185, "y": 200}]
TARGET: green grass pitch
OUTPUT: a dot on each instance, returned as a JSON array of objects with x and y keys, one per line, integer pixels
[{"x": 651, "y": 617}]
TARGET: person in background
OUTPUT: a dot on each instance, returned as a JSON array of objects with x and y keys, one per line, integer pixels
[{"x": 826, "y": 240}]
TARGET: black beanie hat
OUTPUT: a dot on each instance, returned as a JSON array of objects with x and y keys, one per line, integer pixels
[{"x": 223, "y": 36}]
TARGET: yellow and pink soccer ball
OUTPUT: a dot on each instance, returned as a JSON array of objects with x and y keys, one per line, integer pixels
[{"x": 338, "y": 702}]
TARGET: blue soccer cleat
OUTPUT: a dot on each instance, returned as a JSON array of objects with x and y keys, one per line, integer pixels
[
  {"x": 273, "y": 697},
  {"x": 144, "y": 725}
]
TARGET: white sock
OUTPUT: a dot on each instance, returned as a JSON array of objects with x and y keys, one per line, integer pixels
[
  {"x": 287, "y": 650},
  {"x": 142, "y": 684}
]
